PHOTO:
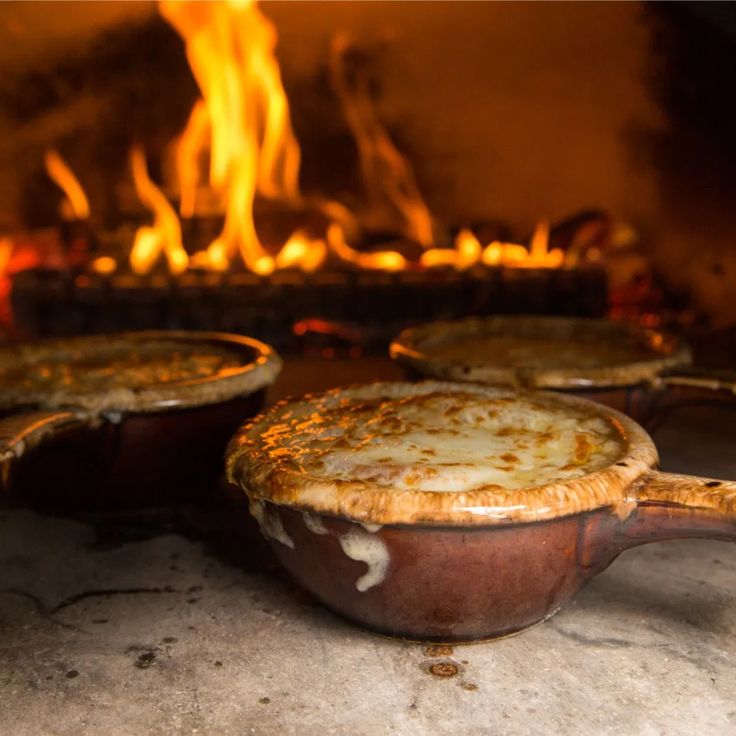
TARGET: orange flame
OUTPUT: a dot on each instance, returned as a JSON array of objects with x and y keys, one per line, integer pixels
[
  {"x": 104, "y": 265},
  {"x": 303, "y": 252},
  {"x": 190, "y": 146},
  {"x": 387, "y": 260},
  {"x": 464, "y": 255},
  {"x": 513, "y": 255},
  {"x": 230, "y": 47},
  {"x": 468, "y": 251},
  {"x": 76, "y": 205},
  {"x": 387, "y": 175},
  {"x": 165, "y": 233}
]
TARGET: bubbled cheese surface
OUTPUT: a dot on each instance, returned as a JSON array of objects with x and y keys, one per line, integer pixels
[{"x": 437, "y": 437}]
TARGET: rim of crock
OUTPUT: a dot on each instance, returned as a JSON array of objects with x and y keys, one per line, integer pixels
[
  {"x": 261, "y": 365},
  {"x": 366, "y": 502},
  {"x": 411, "y": 348}
]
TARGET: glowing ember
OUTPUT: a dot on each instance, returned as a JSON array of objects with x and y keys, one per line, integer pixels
[
  {"x": 6, "y": 251},
  {"x": 75, "y": 206},
  {"x": 165, "y": 233}
]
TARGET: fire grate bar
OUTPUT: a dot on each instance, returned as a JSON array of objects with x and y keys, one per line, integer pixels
[{"x": 376, "y": 305}]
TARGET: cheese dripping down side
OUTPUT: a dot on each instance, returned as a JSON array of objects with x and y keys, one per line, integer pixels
[
  {"x": 364, "y": 546},
  {"x": 270, "y": 524}
]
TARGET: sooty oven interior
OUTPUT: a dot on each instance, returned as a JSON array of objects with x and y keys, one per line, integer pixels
[{"x": 320, "y": 175}]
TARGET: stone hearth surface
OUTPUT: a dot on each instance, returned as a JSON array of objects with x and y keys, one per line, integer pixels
[{"x": 175, "y": 621}]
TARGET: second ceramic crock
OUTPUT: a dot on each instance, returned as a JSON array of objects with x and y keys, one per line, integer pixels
[
  {"x": 659, "y": 362},
  {"x": 62, "y": 446}
]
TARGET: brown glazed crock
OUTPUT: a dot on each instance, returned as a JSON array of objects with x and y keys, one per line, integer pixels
[
  {"x": 117, "y": 446},
  {"x": 665, "y": 363},
  {"x": 464, "y": 566}
]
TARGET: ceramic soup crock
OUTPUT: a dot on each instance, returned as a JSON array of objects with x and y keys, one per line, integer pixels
[
  {"x": 597, "y": 358},
  {"x": 130, "y": 418},
  {"x": 455, "y": 512}
]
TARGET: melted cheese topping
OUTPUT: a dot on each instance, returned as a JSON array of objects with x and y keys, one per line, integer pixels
[
  {"x": 509, "y": 351},
  {"x": 119, "y": 365},
  {"x": 437, "y": 437}
]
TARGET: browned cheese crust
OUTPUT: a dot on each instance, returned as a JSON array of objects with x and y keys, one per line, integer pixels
[
  {"x": 136, "y": 371},
  {"x": 540, "y": 352}
]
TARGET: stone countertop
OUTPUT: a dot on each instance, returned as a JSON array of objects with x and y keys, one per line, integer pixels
[{"x": 174, "y": 621}]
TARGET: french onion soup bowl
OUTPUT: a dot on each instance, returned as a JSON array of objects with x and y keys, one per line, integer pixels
[
  {"x": 132, "y": 417},
  {"x": 455, "y": 512},
  {"x": 598, "y": 358}
]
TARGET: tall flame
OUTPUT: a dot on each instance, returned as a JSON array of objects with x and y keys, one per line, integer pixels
[
  {"x": 76, "y": 200},
  {"x": 230, "y": 47},
  {"x": 165, "y": 233},
  {"x": 188, "y": 151},
  {"x": 387, "y": 175}
]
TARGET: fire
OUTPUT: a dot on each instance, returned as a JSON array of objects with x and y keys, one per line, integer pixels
[
  {"x": 468, "y": 251},
  {"x": 76, "y": 205},
  {"x": 165, "y": 233},
  {"x": 464, "y": 255},
  {"x": 230, "y": 47},
  {"x": 387, "y": 175},
  {"x": 104, "y": 265},
  {"x": 241, "y": 125},
  {"x": 303, "y": 252},
  {"x": 499, "y": 254},
  {"x": 387, "y": 260},
  {"x": 188, "y": 152},
  {"x": 538, "y": 255}
]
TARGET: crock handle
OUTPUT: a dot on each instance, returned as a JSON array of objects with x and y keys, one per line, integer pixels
[
  {"x": 672, "y": 506},
  {"x": 703, "y": 379},
  {"x": 20, "y": 433}
]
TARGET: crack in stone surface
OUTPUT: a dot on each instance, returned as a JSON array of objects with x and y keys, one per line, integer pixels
[
  {"x": 109, "y": 593},
  {"x": 41, "y": 608}
]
